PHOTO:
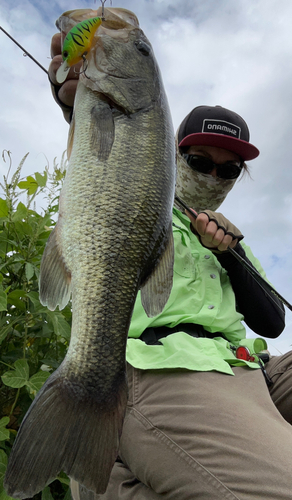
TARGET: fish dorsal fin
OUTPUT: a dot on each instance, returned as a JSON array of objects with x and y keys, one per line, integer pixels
[
  {"x": 55, "y": 279},
  {"x": 156, "y": 289}
]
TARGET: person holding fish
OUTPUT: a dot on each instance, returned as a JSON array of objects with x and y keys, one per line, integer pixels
[
  {"x": 201, "y": 419},
  {"x": 209, "y": 414}
]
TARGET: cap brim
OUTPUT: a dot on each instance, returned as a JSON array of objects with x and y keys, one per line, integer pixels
[{"x": 242, "y": 148}]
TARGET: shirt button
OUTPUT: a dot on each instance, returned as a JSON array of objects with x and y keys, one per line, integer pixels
[
  {"x": 211, "y": 307},
  {"x": 213, "y": 276},
  {"x": 207, "y": 256}
]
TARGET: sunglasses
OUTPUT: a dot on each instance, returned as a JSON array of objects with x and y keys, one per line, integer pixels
[{"x": 228, "y": 170}]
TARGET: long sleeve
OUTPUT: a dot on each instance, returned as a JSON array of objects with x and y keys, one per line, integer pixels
[{"x": 263, "y": 312}]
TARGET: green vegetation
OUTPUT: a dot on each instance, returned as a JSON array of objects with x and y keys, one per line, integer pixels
[{"x": 33, "y": 340}]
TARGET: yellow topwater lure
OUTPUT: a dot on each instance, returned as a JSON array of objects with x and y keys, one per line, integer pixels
[{"x": 76, "y": 45}]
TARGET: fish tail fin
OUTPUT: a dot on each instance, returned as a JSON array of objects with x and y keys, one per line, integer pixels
[{"x": 67, "y": 428}]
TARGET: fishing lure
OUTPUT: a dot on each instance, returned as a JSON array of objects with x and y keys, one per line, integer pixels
[{"x": 76, "y": 45}]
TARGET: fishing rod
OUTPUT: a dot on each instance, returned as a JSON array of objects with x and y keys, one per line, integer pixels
[
  {"x": 250, "y": 269},
  {"x": 24, "y": 50},
  {"x": 28, "y": 54},
  {"x": 253, "y": 272}
]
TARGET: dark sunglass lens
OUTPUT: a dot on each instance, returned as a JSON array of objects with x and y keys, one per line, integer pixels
[
  {"x": 228, "y": 171},
  {"x": 205, "y": 165},
  {"x": 199, "y": 163}
]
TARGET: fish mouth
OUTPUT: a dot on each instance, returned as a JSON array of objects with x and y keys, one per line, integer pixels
[
  {"x": 103, "y": 72},
  {"x": 115, "y": 19}
]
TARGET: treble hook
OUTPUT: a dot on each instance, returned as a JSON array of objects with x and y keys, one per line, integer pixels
[{"x": 84, "y": 68}]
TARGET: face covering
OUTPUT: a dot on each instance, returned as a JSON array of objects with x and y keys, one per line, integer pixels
[{"x": 200, "y": 191}]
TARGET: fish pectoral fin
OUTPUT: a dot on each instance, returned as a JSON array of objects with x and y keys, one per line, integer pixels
[
  {"x": 71, "y": 137},
  {"x": 68, "y": 427},
  {"x": 74, "y": 487},
  {"x": 55, "y": 279},
  {"x": 156, "y": 289},
  {"x": 79, "y": 492},
  {"x": 102, "y": 127}
]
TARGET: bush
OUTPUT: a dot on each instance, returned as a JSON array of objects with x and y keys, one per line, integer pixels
[{"x": 33, "y": 340}]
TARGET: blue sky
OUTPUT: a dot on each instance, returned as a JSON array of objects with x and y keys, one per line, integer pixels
[{"x": 235, "y": 54}]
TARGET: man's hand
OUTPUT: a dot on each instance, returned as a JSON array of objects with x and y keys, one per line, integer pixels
[
  {"x": 215, "y": 231},
  {"x": 64, "y": 94}
]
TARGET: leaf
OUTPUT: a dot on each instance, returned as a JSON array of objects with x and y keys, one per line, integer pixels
[
  {"x": 38, "y": 307},
  {"x": 4, "y": 421},
  {"x": 63, "y": 478},
  {"x": 29, "y": 271},
  {"x": 58, "y": 174},
  {"x": 34, "y": 297},
  {"x": 15, "y": 297},
  {"x": 21, "y": 365},
  {"x": 46, "y": 494},
  {"x": 30, "y": 185},
  {"x": 4, "y": 433},
  {"x": 16, "y": 294},
  {"x": 4, "y": 496},
  {"x": 3, "y": 302},
  {"x": 68, "y": 495},
  {"x": 17, "y": 378},
  {"x": 20, "y": 213},
  {"x": 4, "y": 209},
  {"x": 23, "y": 228},
  {"x": 23, "y": 185},
  {"x": 51, "y": 362},
  {"x": 3, "y": 465},
  {"x": 61, "y": 327},
  {"x": 4, "y": 331},
  {"x": 36, "y": 382},
  {"x": 16, "y": 175},
  {"x": 41, "y": 179}
]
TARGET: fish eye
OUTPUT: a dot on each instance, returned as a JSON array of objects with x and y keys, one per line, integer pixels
[
  {"x": 143, "y": 47},
  {"x": 65, "y": 53}
]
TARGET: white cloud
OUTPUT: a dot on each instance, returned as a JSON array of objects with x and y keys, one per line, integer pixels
[{"x": 236, "y": 54}]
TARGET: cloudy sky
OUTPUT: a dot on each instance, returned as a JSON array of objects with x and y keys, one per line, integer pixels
[{"x": 235, "y": 53}]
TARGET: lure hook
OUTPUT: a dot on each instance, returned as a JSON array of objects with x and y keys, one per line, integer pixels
[{"x": 85, "y": 66}]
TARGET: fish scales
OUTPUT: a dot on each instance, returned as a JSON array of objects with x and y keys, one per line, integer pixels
[
  {"x": 114, "y": 247},
  {"x": 113, "y": 237}
]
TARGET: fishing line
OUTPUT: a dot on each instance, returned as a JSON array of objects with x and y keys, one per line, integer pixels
[
  {"x": 251, "y": 270},
  {"x": 102, "y": 8},
  {"x": 23, "y": 49}
]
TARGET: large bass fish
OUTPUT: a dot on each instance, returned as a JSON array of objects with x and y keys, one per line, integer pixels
[{"x": 113, "y": 237}]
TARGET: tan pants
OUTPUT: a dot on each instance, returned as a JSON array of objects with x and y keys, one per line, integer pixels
[{"x": 205, "y": 435}]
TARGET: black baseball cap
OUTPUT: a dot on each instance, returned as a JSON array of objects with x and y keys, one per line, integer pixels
[{"x": 219, "y": 127}]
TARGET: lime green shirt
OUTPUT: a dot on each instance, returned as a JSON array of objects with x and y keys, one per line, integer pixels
[{"x": 201, "y": 294}]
